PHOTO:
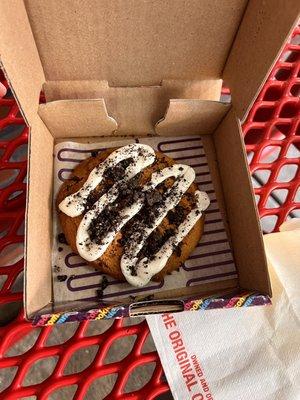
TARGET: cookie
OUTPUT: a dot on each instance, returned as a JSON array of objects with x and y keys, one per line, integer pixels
[{"x": 132, "y": 213}]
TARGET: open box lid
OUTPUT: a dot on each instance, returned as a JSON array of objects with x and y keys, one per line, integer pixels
[
  {"x": 23, "y": 46},
  {"x": 136, "y": 43}
]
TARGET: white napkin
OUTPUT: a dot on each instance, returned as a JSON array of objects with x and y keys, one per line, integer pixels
[{"x": 244, "y": 353}]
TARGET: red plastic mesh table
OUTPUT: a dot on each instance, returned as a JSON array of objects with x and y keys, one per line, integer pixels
[{"x": 272, "y": 137}]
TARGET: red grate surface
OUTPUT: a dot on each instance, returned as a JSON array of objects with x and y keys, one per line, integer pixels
[{"x": 272, "y": 137}]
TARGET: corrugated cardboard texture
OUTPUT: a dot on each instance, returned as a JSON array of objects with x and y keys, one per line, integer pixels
[
  {"x": 134, "y": 42},
  {"x": 19, "y": 56},
  {"x": 185, "y": 117},
  {"x": 259, "y": 41},
  {"x": 38, "y": 289},
  {"x": 136, "y": 110},
  {"x": 240, "y": 206},
  {"x": 169, "y": 89},
  {"x": 65, "y": 118},
  {"x": 210, "y": 151}
]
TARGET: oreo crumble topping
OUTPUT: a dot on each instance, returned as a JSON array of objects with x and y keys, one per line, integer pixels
[
  {"x": 94, "y": 153},
  {"x": 153, "y": 203},
  {"x": 62, "y": 278},
  {"x": 118, "y": 171},
  {"x": 103, "y": 286},
  {"x": 109, "y": 217},
  {"x": 62, "y": 238}
]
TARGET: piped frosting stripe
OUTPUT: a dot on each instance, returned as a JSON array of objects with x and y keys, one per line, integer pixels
[{"x": 142, "y": 155}]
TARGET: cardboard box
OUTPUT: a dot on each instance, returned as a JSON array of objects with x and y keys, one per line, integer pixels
[{"x": 123, "y": 67}]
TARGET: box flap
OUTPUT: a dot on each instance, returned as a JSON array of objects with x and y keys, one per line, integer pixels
[
  {"x": 241, "y": 210},
  {"x": 133, "y": 43},
  {"x": 19, "y": 57},
  {"x": 38, "y": 219},
  {"x": 135, "y": 109},
  {"x": 71, "y": 118},
  {"x": 185, "y": 117},
  {"x": 259, "y": 41},
  {"x": 169, "y": 89}
]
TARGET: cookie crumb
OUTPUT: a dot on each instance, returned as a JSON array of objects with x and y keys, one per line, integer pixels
[
  {"x": 103, "y": 286},
  {"x": 104, "y": 282},
  {"x": 62, "y": 278},
  {"x": 148, "y": 298},
  {"x": 62, "y": 238},
  {"x": 56, "y": 268},
  {"x": 94, "y": 153}
]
